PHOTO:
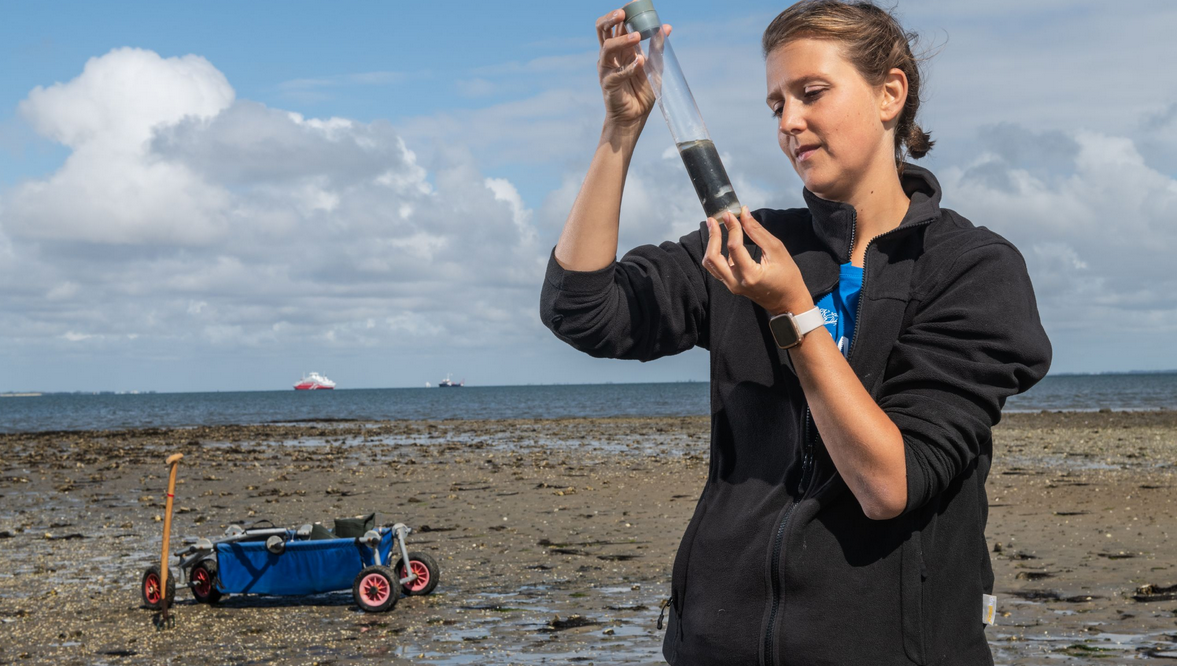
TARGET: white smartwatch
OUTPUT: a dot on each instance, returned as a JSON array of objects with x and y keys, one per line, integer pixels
[{"x": 789, "y": 329}]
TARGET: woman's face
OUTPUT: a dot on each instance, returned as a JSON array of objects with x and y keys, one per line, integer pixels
[{"x": 832, "y": 123}]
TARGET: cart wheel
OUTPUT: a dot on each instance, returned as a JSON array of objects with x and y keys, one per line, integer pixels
[
  {"x": 149, "y": 588},
  {"x": 376, "y": 589},
  {"x": 427, "y": 572},
  {"x": 203, "y": 581}
]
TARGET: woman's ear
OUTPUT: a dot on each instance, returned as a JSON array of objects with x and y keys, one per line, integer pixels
[{"x": 894, "y": 95}]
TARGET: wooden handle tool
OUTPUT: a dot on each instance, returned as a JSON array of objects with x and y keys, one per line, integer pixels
[{"x": 173, "y": 462}]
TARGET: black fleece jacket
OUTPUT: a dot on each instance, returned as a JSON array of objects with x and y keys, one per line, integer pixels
[{"x": 779, "y": 564}]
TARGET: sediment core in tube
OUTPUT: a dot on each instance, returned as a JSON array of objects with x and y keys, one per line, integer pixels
[{"x": 709, "y": 177}]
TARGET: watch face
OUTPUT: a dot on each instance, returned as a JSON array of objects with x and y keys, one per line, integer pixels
[{"x": 785, "y": 330}]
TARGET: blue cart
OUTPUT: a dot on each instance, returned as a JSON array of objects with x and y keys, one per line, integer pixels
[{"x": 377, "y": 566}]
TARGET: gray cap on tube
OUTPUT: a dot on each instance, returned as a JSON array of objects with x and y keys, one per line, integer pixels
[{"x": 641, "y": 17}]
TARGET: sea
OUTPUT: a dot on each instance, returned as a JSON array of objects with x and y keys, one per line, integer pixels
[{"x": 107, "y": 411}]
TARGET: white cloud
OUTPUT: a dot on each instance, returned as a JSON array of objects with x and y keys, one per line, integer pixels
[
  {"x": 311, "y": 90},
  {"x": 121, "y": 97},
  {"x": 62, "y": 291},
  {"x": 378, "y": 78},
  {"x": 476, "y": 87},
  {"x": 111, "y": 189},
  {"x": 1097, "y": 233},
  {"x": 180, "y": 203},
  {"x": 505, "y": 192}
]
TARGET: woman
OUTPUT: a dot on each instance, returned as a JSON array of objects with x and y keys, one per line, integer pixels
[{"x": 843, "y": 517}]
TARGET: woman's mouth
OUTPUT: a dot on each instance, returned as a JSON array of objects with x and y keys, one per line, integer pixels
[{"x": 803, "y": 153}]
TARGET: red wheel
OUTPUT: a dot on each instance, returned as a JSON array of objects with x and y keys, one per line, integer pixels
[
  {"x": 376, "y": 589},
  {"x": 151, "y": 593},
  {"x": 427, "y": 572},
  {"x": 203, "y": 581},
  {"x": 149, "y": 588}
]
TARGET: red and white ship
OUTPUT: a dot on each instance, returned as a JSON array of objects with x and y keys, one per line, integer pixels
[{"x": 314, "y": 381}]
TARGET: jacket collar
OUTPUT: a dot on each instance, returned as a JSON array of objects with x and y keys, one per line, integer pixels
[{"x": 833, "y": 221}]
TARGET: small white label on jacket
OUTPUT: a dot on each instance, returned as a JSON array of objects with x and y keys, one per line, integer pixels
[{"x": 988, "y": 608}]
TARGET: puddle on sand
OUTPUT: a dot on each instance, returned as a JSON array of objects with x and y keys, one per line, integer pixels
[
  {"x": 1010, "y": 649},
  {"x": 1057, "y": 463},
  {"x": 674, "y": 444},
  {"x": 515, "y": 628},
  {"x": 506, "y": 605},
  {"x": 592, "y": 652}
]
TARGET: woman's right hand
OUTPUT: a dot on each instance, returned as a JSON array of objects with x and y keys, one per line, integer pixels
[{"x": 628, "y": 96}]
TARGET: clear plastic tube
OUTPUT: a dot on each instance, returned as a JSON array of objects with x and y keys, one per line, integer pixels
[{"x": 698, "y": 153}]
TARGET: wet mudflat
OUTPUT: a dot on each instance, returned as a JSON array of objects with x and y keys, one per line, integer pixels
[{"x": 555, "y": 538}]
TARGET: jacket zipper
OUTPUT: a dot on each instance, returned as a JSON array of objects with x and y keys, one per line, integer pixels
[
  {"x": 662, "y": 609},
  {"x": 776, "y": 583},
  {"x": 807, "y": 455},
  {"x": 779, "y": 542},
  {"x": 807, "y": 463},
  {"x": 865, "y": 259},
  {"x": 807, "y": 452}
]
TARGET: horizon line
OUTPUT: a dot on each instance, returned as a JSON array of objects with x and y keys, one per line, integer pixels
[{"x": 18, "y": 393}]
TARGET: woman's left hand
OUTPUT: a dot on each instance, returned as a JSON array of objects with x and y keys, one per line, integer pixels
[{"x": 774, "y": 283}]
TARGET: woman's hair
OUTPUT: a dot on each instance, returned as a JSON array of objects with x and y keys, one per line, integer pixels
[{"x": 874, "y": 43}]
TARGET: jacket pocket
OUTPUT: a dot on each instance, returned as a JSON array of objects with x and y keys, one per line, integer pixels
[
  {"x": 673, "y": 637},
  {"x": 911, "y": 593},
  {"x": 682, "y": 559}
]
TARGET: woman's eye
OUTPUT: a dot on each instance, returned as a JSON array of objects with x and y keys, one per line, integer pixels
[
  {"x": 813, "y": 93},
  {"x": 776, "y": 111}
]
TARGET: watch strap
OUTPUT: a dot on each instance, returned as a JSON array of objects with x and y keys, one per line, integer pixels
[{"x": 809, "y": 320}]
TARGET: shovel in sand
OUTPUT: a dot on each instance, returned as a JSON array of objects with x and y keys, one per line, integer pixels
[{"x": 162, "y": 620}]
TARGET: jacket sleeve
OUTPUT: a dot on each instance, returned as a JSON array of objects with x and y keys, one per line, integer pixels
[
  {"x": 651, "y": 303},
  {"x": 975, "y": 340}
]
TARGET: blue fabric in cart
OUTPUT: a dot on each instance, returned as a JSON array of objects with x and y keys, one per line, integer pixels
[{"x": 305, "y": 567}]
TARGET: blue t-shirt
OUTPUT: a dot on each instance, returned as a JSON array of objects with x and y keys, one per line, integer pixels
[{"x": 840, "y": 307}]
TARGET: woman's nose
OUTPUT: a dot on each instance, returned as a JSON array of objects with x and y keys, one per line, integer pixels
[{"x": 792, "y": 119}]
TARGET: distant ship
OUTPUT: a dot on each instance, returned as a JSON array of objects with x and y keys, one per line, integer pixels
[
  {"x": 314, "y": 381},
  {"x": 449, "y": 383}
]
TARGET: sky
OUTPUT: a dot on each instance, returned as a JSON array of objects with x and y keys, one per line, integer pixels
[{"x": 224, "y": 196}]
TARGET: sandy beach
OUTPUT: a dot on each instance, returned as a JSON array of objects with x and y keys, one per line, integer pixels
[{"x": 555, "y": 538}]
